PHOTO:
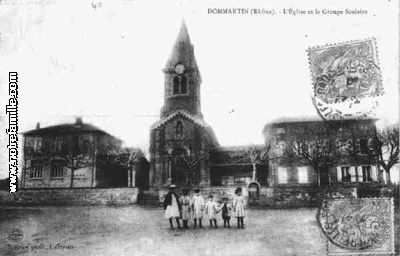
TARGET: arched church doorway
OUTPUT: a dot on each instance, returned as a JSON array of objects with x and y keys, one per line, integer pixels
[
  {"x": 179, "y": 170},
  {"x": 178, "y": 174}
]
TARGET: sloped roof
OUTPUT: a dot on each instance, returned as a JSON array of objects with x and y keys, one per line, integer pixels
[
  {"x": 183, "y": 35},
  {"x": 180, "y": 113},
  {"x": 182, "y": 52},
  {"x": 233, "y": 154},
  {"x": 230, "y": 156},
  {"x": 196, "y": 120},
  {"x": 293, "y": 121},
  {"x": 296, "y": 119},
  {"x": 66, "y": 129},
  {"x": 244, "y": 148}
]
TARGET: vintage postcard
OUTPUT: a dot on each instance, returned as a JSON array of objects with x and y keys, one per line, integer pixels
[{"x": 265, "y": 127}]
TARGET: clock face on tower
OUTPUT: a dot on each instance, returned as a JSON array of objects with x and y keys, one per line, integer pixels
[{"x": 179, "y": 69}]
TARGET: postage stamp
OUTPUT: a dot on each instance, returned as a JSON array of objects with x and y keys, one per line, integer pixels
[
  {"x": 346, "y": 77},
  {"x": 362, "y": 226}
]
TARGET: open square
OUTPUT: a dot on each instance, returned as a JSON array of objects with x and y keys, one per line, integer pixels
[{"x": 134, "y": 230}]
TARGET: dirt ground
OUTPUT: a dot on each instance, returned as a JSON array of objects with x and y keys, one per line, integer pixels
[{"x": 134, "y": 230}]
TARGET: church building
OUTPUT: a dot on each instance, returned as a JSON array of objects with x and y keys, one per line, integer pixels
[
  {"x": 181, "y": 139},
  {"x": 183, "y": 147}
]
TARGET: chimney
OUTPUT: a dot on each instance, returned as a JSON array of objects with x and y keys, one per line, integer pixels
[
  {"x": 37, "y": 126},
  {"x": 78, "y": 121}
]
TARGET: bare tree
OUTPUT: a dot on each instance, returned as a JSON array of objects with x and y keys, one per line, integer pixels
[
  {"x": 123, "y": 156},
  {"x": 258, "y": 155},
  {"x": 385, "y": 148},
  {"x": 190, "y": 160},
  {"x": 317, "y": 150},
  {"x": 76, "y": 153}
]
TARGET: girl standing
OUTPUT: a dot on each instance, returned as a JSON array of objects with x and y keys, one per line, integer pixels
[
  {"x": 197, "y": 207},
  {"x": 172, "y": 207},
  {"x": 211, "y": 211},
  {"x": 238, "y": 206},
  {"x": 185, "y": 202}
]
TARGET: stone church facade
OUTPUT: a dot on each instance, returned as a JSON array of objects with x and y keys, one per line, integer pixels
[
  {"x": 181, "y": 131},
  {"x": 183, "y": 147}
]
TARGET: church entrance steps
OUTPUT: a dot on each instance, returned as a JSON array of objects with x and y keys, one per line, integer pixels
[{"x": 149, "y": 198}]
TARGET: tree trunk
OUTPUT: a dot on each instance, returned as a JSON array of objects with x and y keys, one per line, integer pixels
[
  {"x": 72, "y": 178},
  {"x": 356, "y": 169},
  {"x": 329, "y": 178},
  {"x": 254, "y": 172},
  {"x": 380, "y": 175},
  {"x": 129, "y": 173},
  {"x": 388, "y": 176}
]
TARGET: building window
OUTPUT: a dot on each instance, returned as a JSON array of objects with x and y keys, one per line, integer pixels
[
  {"x": 179, "y": 129},
  {"x": 346, "y": 176},
  {"x": 37, "y": 144},
  {"x": 302, "y": 174},
  {"x": 176, "y": 85},
  {"x": 180, "y": 85},
  {"x": 184, "y": 85},
  {"x": 280, "y": 148},
  {"x": 57, "y": 171},
  {"x": 36, "y": 171},
  {"x": 366, "y": 173},
  {"x": 282, "y": 175},
  {"x": 58, "y": 144},
  {"x": 168, "y": 169},
  {"x": 81, "y": 144},
  {"x": 363, "y": 146}
]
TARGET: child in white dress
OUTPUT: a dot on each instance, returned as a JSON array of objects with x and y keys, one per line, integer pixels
[
  {"x": 172, "y": 207},
  {"x": 197, "y": 207},
  {"x": 211, "y": 211},
  {"x": 238, "y": 207},
  {"x": 185, "y": 204}
]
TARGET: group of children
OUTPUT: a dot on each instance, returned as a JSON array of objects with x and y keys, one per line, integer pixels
[{"x": 196, "y": 208}]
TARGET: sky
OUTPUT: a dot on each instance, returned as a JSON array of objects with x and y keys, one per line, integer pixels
[{"x": 103, "y": 60}]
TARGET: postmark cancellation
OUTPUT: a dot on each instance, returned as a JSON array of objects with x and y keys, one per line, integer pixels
[
  {"x": 346, "y": 79},
  {"x": 363, "y": 226}
]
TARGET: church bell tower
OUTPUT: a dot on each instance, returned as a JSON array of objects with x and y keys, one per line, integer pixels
[
  {"x": 181, "y": 136},
  {"x": 182, "y": 78}
]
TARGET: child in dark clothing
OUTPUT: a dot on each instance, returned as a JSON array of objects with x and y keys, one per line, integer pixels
[{"x": 226, "y": 209}]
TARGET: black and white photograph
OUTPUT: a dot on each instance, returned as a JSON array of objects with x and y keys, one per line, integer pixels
[{"x": 182, "y": 127}]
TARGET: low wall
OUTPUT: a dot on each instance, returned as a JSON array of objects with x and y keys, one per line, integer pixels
[
  {"x": 64, "y": 196},
  {"x": 302, "y": 196},
  {"x": 279, "y": 196}
]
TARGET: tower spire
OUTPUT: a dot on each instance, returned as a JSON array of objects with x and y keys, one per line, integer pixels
[
  {"x": 182, "y": 51},
  {"x": 183, "y": 35},
  {"x": 182, "y": 78}
]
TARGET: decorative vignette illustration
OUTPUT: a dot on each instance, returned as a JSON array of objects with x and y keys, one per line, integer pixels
[
  {"x": 346, "y": 79},
  {"x": 358, "y": 226}
]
